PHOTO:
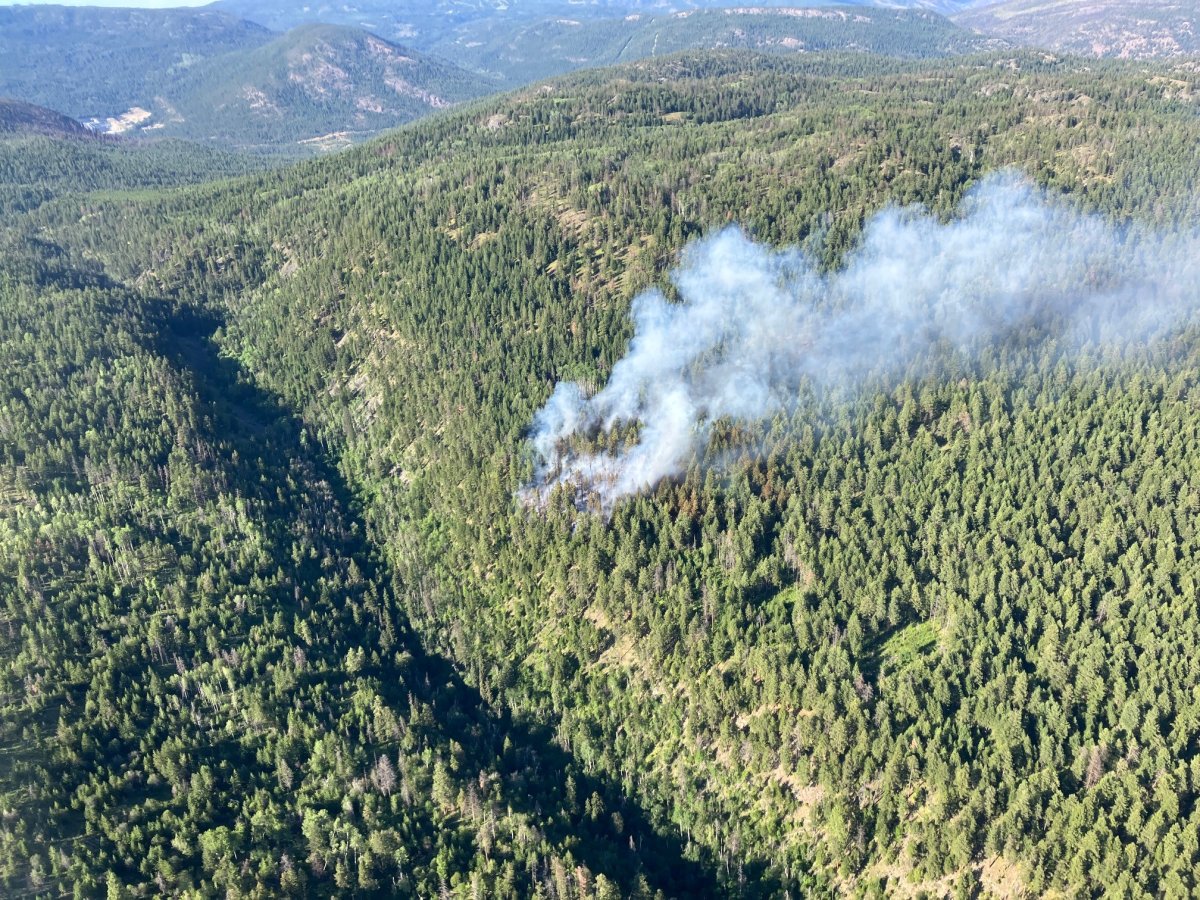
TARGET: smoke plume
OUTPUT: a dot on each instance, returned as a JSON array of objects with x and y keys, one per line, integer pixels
[{"x": 754, "y": 324}]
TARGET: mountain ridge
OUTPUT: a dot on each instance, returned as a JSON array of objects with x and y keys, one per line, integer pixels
[
  {"x": 117, "y": 57},
  {"x": 522, "y": 52},
  {"x": 424, "y": 23},
  {"x": 317, "y": 79},
  {"x": 1127, "y": 29},
  {"x": 206, "y": 75}
]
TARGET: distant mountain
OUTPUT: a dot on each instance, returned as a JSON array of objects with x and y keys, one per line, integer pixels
[
  {"x": 18, "y": 117},
  {"x": 318, "y": 83},
  {"x": 945, "y": 7},
  {"x": 425, "y": 24},
  {"x": 417, "y": 23},
  {"x": 1128, "y": 29},
  {"x": 87, "y": 61},
  {"x": 207, "y": 75},
  {"x": 526, "y": 52}
]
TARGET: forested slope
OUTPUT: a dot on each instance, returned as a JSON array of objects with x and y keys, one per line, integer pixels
[
  {"x": 207, "y": 682},
  {"x": 36, "y": 167},
  {"x": 941, "y": 637}
]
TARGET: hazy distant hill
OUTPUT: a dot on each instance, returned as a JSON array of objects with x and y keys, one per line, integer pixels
[
  {"x": 207, "y": 75},
  {"x": 88, "y": 61},
  {"x": 316, "y": 81},
  {"x": 945, "y": 7},
  {"x": 526, "y": 52},
  {"x": 418, "y": 23},
  {"x": 1132, "y": 29},
  {"x": 427, "y": 23}
]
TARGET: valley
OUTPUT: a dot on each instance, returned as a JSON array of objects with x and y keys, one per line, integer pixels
[{"x": 620, "y": 451}]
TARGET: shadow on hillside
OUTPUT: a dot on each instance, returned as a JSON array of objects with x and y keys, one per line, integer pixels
[{"x": 536, "y": 770}]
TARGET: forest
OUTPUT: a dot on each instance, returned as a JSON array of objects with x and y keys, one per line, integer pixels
[{"x": 275, "y": 621}]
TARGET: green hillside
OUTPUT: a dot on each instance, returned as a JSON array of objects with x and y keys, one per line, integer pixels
[
  {"x": 45, "y": 155},
  {"x": 207, "y": 679},
  {"x": 263, "y": 442}
]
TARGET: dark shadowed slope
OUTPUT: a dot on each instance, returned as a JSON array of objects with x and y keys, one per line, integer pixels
[{"x": 19, "y": 117}]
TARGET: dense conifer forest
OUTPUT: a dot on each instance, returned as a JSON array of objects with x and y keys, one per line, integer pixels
[{"x": 274, "y": 621}]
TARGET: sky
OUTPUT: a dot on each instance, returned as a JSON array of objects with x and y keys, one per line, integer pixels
[{"x": 142, "y": 4}]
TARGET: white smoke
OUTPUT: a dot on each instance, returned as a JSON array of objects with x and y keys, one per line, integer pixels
[{"x": 754, "y": 324}]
